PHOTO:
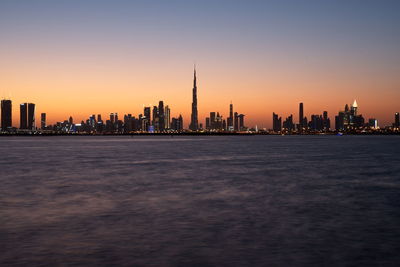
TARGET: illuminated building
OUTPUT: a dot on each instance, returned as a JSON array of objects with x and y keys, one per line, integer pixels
[{"x": 167, "y": 118}]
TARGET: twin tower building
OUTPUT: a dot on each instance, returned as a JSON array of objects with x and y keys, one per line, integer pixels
[{"x": 27, "y": 115}]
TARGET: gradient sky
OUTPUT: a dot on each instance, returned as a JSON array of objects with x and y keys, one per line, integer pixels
[{"x": 82, "y": 57}]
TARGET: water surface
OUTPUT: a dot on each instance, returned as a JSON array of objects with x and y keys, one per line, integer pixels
[{"x": 205, "y": 201}]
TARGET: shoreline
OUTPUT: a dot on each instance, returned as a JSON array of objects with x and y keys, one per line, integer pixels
[{"x": 191, "y": 134}]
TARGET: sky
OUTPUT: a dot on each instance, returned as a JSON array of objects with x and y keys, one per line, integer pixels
[{"x": 82, "y": 57}]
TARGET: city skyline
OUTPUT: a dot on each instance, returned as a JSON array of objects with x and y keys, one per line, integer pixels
[
  {"x": 159, "y": 120},
  {"x": 229, "y": 122},
  {"x": 73, "y": 59}
]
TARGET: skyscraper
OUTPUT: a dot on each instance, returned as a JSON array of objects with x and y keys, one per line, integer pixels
[
  {"x": 27, "y": 116},
  {"x": 146, "y": 120},
  {"x": 219, "y": 123},
  {"x": 241, "y": 122},
  {"x": 354, "y": 108},
  {"x": 207, "y": 123},
  {"x": 161, "y": 119},
  {"x": 31, "y": 116},
  {"x": 43, "y": 121},
  {"x": 236, "y": 121},
  {"x": 23, "y": 119},
  {"x": 230, "y": 119},
  {"x": 113, "y": 117},
  {"x": 276, "y": 122},
  {"x": 288, "y": 123},
  {"x": 180, "y": 120},
  {"x": 301, "y": 117},
  {"x": 167, "y": 117},
  {"x": 326, "y": 121},
  {"x": 396, "y": 120},
  {"x": 146, "y": 112},
  {"x": 6, "y": 114},
  {"x": 212, "y": 120},
  {"x": 194, "y": 124},
  {"x": 155, "y": 118}
]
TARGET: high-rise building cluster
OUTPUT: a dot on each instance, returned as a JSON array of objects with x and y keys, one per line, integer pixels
[
  {"x": 234, "y": 123},
  {"x": 348, "y": 120},
  {"x": 27, "y": 116},
  {"x": 159, "y": 120},
  {"x": 317, "y": 122},
  {"x": 151, "y": 120}
]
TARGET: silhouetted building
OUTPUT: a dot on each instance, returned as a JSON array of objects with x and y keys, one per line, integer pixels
[
  {"x": 339, "y": 121},
  {"x": 161, "y": 119},
  {"x": 147, "y": 113},
  {"x": 177, "y": 123},
  {"x": 288, "y": 124},
  {"x": 396, "y": 120},
  {"x": 113, "y": 118},
  {"x": 145, "y": 120},
  {"x": 92, "y": 121},
  {"x": 230, "y": 119},
  {"x": 358, "y": 121},
  {"x": 212, "y": 120},
  {"x": 219, "y": 124},
  {"x": 236, "y": 121},
  {"x": 194, "y": 124},
  {"x": 326, "y": 121},
  {"x": 316, "y": 123},
  {"x": 6, "y": 114},
  {"x": 31, "y": 116},
  {"x": 43, "y": 121},
  {"x": 155, "y": 118},
  {"x": 301, "y": 117},
  {"x": 167, "y": 116},
  {"x": 144, "y": 123},
  {"x": 320, "y": 122},
  {"x": 180, "y": 120},
  {"x": 241, "y": 122},
  {"x": 27, "y": 116},
  {"x": 23, "y": 119},
  {"x": 100, "y": 124},
  {"x": 276, "y": 123},
  {"x": 128, "y": 123}
]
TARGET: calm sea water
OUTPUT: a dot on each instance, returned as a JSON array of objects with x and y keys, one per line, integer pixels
[{"x": 200, "y": 201}]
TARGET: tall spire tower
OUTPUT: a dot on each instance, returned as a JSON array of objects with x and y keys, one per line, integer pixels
[{"x": 194, "y": 123}]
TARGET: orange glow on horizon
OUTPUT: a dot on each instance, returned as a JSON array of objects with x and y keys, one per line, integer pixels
[{"x": 256, "y": 92}]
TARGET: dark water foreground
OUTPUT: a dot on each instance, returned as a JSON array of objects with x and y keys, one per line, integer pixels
[{"x": 200, "y": 201}]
